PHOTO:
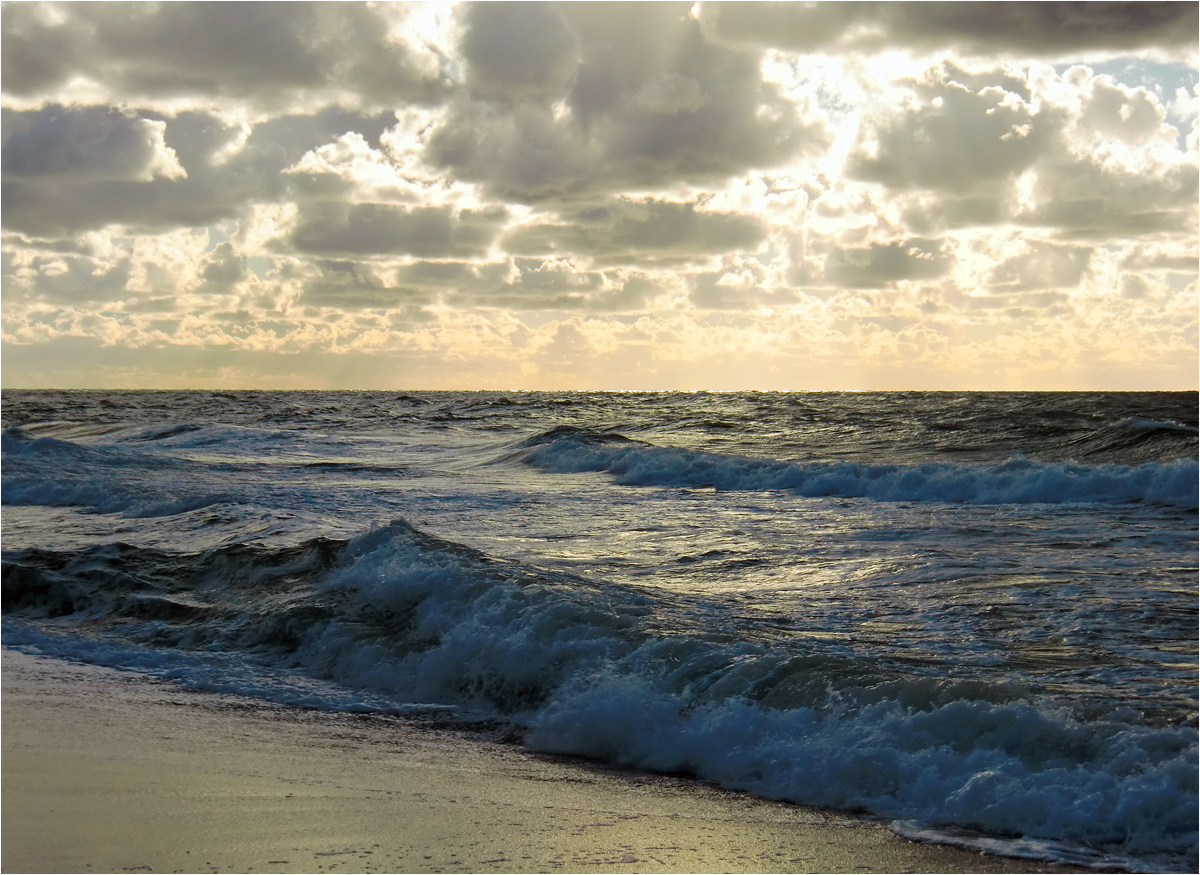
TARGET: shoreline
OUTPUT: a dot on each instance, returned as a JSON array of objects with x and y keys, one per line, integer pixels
[{"x": 106, "y": 770}]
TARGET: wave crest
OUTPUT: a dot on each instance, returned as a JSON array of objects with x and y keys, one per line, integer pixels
[{"x": 1015, "y": 481}]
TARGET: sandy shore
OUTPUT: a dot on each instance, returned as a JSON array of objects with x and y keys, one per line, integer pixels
[{"x": 106, "y": 771}]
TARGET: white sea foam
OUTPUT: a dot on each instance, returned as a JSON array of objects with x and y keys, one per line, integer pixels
[
  {"x": 1134, "y": 423},
  {"x": 1001, "y": 650},
  {"x": 1008, "y": 769},
  {"x": 417, "y": 620},
  {"x": 581, "y": 675},
  {"x": 1016, "y": 481}
]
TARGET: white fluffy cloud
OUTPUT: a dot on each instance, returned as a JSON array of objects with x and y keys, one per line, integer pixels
[{"x": 779, "y": 195}]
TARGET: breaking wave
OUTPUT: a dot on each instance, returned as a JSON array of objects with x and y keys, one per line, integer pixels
[
  {"x": 1016, "y": 481},
  {"x": 618, "y": 674}
]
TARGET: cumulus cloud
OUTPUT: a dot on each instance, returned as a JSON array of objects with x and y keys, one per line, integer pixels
[
  {"x": 1041, "y": 265},
  {"x": 272, "y": 55},
  {"x": 519, "y": 50},
  {"x": 882, "y": 263},
  {"x": 662, "y": 194},
  {"x": 93, "y": 143},
  {"x": 1076, "y": 152},
  {"x": 1030, "y": 29},
  {"x": 613, "y": 97},
  {"x": 961, "y": 139},
  {"x": 354, "y": 285},
  {"x": 632, "y": 231},
  {"x": 103, "y": 167},
  {"x": 334, "y": 228}
]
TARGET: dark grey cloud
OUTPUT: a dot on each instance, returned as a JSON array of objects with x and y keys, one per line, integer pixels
[
  {"x": 950, "y": 211},
  {"x": 555, "y": 276},
  {"x": 618, "y": 96},
  {"x": 64, "y": 279},
  {"x": 448, "y": 274},
  {"x": 631, "y": 231},
  {"x": 878, "y": 264},
  {"x": 354, "y": 285},
  {"x": 542, "y": 284},
  {"x": 635, "y": 293},
  {"x": 66, "y": 245},
  {"x": 296, "y": 134},
  {"x": 967, "y": 146},
  {"x": 267, "y": 53},
  {"x": 962, "y": 140},
  {"x": 224, "y": 267},
  {"x": 710, "y": 292},
  {"x": 536, "y": 284},
  {"x": 67, "y": 170},
  {"x": 1036, "y": 29},
  {"x": 1098, "y": 201},
  {"x": 57, "y": 209},
  {"x": 86, "y": 143},
  {"x": 333, "y": 228},
  {"x": 519, "y": 50}
]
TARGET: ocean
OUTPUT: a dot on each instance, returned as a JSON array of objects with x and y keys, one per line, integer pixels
[{"x": 972, "y": 615}]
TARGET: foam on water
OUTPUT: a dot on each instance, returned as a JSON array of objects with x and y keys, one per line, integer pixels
[
  {"x": 406, "y": 618},
  {"x": 1015, "y": 481},
  {"x": 972, "y": 615}
]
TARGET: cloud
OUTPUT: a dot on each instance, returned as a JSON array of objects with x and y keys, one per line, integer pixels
[
  {"x": 86, "y": 144},
  {"x": 224, "y": 268},
  {"x": 1037, "y": 265},
  {"x": 959, "y": 140},
  {"x": 355, "y": 285},
  {"x": 1078, "y": 153},
  {"x": 643, "y": 231},
  {"x": 720, "y": 290},
  {"x": 1080, "y": 199},
  {"x": 533, "y": 284},
  {"x": 333, "y": 228},
  {"x": 635, "y": 195},
  {"x": 1029, "y": 29},
  {"x": 105, "y": 167},
  {"x": 879, "y": 264},
  {"x": 1159, "y": 257},
  {"x": 518, "y": 50},
  {"x": 1132, "y": 115},
  {"x": 615, "y": 97},
  {"x": 62, "y": 279},
  {"x": 272, "y": 55}
]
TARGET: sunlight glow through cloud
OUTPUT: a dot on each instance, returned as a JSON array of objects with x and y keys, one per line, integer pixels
[{"x": 602, "y": 196}]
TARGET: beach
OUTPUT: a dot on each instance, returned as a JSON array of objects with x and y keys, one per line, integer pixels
[{"x": 108, "y": 771}]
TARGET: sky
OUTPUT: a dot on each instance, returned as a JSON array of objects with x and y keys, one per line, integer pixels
[{"x": 646, "y": 196}]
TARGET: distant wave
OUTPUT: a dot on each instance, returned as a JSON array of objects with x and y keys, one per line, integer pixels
[
  {"x": 1153, "y": 424},
  {"x": 1015, "y": 481},
  {"x": 50, "y": 472}
]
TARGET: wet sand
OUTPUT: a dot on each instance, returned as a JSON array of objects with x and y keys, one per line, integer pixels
[{"x": 107, "y": 771}]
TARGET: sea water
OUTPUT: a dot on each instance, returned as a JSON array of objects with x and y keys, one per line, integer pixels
[{"x": 974, "y": 615}]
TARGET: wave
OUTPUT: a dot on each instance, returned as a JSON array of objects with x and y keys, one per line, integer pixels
[
  {"x": 50, "y": 472},
  {"x": 99, "y": 496},
  {"x": 623, "y": 675},
  {"x": 1135, "y": 439},
  {"x": 1015, "y": 481},
  {"x": 1137, "y": 424}
]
